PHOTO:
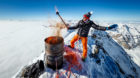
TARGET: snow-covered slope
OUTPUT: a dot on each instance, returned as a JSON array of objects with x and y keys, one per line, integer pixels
[
  {"x": 22, "y": 41},
  {"x": 119, "y": 55},
  {"x": 127, "y": 36},
  {"x": 112, "y": 61}
]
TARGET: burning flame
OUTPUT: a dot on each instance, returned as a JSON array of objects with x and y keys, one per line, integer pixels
[{"x": 54, "y": 40}]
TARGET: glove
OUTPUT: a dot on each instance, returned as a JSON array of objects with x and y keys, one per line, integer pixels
[{"x": 111, "y": 27}]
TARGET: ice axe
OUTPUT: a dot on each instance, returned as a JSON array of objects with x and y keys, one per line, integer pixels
[{"x": 57, "y": 13}]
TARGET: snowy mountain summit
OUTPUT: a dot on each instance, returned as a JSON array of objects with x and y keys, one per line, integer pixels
[
  {"x": 127, "y": 36},
  {"x": 106, "y": 57}
]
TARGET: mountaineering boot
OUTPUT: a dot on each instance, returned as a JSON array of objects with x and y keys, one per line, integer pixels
[{"x": 83, "y": 59}]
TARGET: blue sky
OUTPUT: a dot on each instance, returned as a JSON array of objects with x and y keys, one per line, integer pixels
[{"x": 70, "y": 9}]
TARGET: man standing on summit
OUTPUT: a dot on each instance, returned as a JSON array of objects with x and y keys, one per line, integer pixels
[{"x": 84, "y": 26}]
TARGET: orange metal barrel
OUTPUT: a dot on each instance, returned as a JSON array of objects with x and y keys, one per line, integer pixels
[{"x": 54, "y": 49}]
